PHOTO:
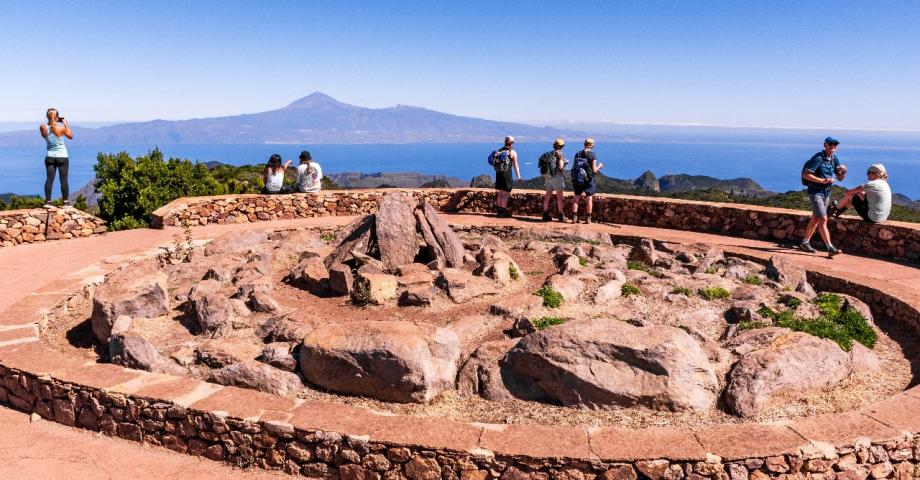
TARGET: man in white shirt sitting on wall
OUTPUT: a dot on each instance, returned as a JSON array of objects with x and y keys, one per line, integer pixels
[
  {"x": 871, "y": 200},
  {"x": 309, "y": 174}
]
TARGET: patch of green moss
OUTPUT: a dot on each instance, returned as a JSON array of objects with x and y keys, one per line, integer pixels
[
  {"x": 753, "y": 279},
  {"x": 513, "y": 272},
  {"x": 629, "y": 289},
  {"x": 544, "y": 322},
  {"x": 713, "y": 293},
  {"x": 643, "y": 267},
  {"x": 834, "y": 323},
  {"x": 683, "y": 291}
]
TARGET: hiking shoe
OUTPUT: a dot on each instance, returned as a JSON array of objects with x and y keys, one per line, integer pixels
[
  {"x": 561, "y": 218},
  {"x": 587, "y": 219},
  {"x": 547, "y": 217},
  {"x": 806, "y": 247},
  {"x": 832, "y": 251},
  {"x": 48, "y": 205}
]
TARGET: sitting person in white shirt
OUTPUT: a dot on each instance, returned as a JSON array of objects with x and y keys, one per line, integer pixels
[
  {"x": 871, "y": 200},
  {"x": 309, "y": 174}
]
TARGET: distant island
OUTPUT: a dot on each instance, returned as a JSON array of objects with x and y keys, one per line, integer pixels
[{"x": 314, "y": 119}]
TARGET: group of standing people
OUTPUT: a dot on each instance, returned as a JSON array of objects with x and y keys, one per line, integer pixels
[{"x": 585, "y": 167}]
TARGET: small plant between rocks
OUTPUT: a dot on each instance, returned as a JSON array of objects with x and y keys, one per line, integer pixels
[
  {"x": 513, "y": 272},
  {"x": 643, "y": 267},
  {"x": 753, "y": 279},
  {"x": 683, "y": 291},
  {"x": 544, "y": 322},
  {"x": 583, "y": 261},
  {"x": 841, "y": 326},
  {"x": 361, "y": 295},
  {"x": 629, "y": 289},
  {"x": 551, "y": 298},
  {"x": 714, "y": 293}
]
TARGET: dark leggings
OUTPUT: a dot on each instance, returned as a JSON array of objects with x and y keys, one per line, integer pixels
[{"x": 59, "y": 164}]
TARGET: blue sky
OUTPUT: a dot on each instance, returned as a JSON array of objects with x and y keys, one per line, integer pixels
[{"x": 805, "y": 63}]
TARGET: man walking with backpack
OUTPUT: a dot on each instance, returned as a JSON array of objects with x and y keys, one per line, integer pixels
[
  {"x": 584, "y": 167},
  {"x": 818, "y": 175},
  {"x": 503, "y": 160},
  {"x": 552, "y": 166}
]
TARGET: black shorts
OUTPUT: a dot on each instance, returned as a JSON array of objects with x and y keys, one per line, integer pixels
[
  {"x": 503, "y": 181},
  {"x": 584, "y": 188},
  {"x": 861, "y": 206}
]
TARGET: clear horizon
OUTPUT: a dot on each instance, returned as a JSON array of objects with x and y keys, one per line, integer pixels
[{"x": 779, "y": 64}]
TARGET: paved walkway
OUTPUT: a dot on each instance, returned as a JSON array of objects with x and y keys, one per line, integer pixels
[{"x": 49, "y": 450}]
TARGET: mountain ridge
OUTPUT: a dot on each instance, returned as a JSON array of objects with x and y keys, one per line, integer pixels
[{"x": 314, "y": 119}]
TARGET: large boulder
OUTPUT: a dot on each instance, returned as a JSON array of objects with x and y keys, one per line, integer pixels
[
  {"x": 131, "y": 350},
  {"x": 644, "y": 252},
  {"x": 611, "y": 289},
  {"x": 498, "y": 266},
  {"x": 484, "y": 375},
  {"x": 394, "y": 361},
  {"x": 374, "y": 289},
  {"x": 788, "y": 275},
  {"x": 446, "y": 238},
  {"x": 463, "y": 286},
  {"x": 395, "y": 225},
  {"x": 137, "y": 291},
  {"x": 257, "y": 376},
  {"x": 791, "y": 366},
  {"x": 213, "y": 311},
  {"x": 570, "y": 287},
  {"x": 852, "y": 303},
  {"x": 236, "y": 243},
  {"x": 604, "y": 363},
  {"x": 341, "y": 279}
]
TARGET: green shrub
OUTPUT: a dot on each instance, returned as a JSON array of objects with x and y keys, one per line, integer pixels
[
  {"x": 710, "y": 270},
  {"x": 361, "y": 294},
  {"x": 746, "y": 325},
  {"x": 629, "y": 289},
  {"x": 753, "y": 280},
  {"x": 514, "y": 272},
  {"x": 790, "y": 301},
  {"x": 544, "y": 322},
  {"x": 551, "y": 298},
  {"x": 583, "y": 261},
  {"x": 643, "y": 267},
  {"x": 327, "y": 237},
  {"x": 713, "y": 293},
  {"x": 843, "y": 327},
  {"x": 683, "y": 291}
]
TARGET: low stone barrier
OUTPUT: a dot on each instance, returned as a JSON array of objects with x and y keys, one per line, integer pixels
[
  {"x": 39, "y": 225},
  {"x": 892, "y": 239}
]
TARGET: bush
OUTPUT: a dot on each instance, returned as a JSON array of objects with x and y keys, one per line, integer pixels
[
  {"x": 544, "y": 322},
  {"x": 643, "y": 267},
  {"x": 361, "y": 294},
  {"x": 629, "y": 289},
  {"x": 683, "y": 291},
  {"x": 753, "y": 280},
  {"x": 710, "y": 270},
  {"x": 746, "y": 325},
  {"x": 713, "y": 293},
  {"x": 583, "y": 261},
  {"x": 790, "y": 301},
  {"x": 843, "y": 327},
  {"x": 513, "y": 272},
  {"x": 551, "y": 298}
]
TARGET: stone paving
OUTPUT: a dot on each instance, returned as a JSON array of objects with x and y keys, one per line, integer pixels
[{"x": 37, "y": 275}]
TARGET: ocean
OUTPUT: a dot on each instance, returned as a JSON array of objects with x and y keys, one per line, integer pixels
[{"x": 773, "y": 164}]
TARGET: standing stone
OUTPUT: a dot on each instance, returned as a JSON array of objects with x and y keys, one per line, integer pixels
[
  {"x": 394, "y": 361},
  {"x": 446, "y": 238},
  {"x": 138, "y": 291},
  {"x": 432, "y": 247},
  {"x": 354, "y": 237},
  {"x": 341, "y": 280},
  {"x": 395, "y": 225},
  {"x": 644, "y": 252}
]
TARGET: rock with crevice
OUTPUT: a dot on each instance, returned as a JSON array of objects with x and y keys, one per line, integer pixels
[
  {"x": 446, "y": 238},
  {"x": 483, "y": 374},
  {"x": 789, "y": 275},
  {"x": 395, "y": 229},
  {"x": 394, "y": 361},
  {"x": 257, "y": 376},
  {"x": 356, "y": 236},
  {"x": 132, "y": 350},
  {"x": 137, "y": 291},
  {"x": 214, "y": 313}
]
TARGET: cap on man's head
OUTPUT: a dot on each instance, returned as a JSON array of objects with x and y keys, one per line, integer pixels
[
  {"x": 305, "y": 155},
  {"x": 509, "y": 140},
  {"x": 559, "y": 142},
  {"x": 877, "y": 168},
  {"x": 831, "y": 141},
  {"x": 589, "y": 142}
]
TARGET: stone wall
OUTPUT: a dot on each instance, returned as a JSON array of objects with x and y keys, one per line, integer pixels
[
  {"x": 278, "y": 445},
  {"x": 893, "y": 239},
  {"x": 39, "y": 224}
]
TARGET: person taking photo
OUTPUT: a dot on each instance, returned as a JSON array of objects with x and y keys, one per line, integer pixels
[{"x": 56, "y": 158}]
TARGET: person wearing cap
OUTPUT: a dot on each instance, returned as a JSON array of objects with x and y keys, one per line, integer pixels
[
  {"x": 309, "y": 174},
  {"x": 818, "y": 175},
  {"x": 584, "y": 167},
  {"x": 503, "y": 180},
  {"x": 871, "y": 200},
  {"x": 554, "y": 181}
]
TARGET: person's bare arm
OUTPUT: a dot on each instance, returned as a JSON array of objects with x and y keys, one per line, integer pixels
[
  {"x": 286, "y": 165},
  {"x": 43, "y": 129},
  {"x": 67, "y": 131},
  {"x": 514, "y": 161},
  {"x": 854, "y": 191},
  {"x": 597, "y": 166}
]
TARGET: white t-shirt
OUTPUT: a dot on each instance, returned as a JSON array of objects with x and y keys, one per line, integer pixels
[
  {"x": 275, "y": 181},
  {"x": 309, "y": 176},
  {"x": 878, "y": 196}
]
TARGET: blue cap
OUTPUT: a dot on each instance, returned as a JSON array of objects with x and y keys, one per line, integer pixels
[{"x": 832, "y": 141}]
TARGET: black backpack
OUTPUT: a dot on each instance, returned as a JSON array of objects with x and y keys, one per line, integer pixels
[
  {"x": 500, "y": 160},
  {"x": 547, "y": 163}
]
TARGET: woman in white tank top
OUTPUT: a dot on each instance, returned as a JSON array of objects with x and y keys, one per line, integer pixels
[{"x": 273, "y": 175}]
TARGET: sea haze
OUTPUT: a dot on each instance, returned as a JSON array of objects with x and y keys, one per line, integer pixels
[{"x": 773, "y": 164}]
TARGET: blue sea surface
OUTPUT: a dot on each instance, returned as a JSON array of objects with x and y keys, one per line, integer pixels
[{"x": 774, "y": 165}]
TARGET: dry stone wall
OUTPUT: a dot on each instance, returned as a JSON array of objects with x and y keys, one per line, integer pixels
[
  {"x": 38, "y": 225},
  {"x": 892, "y": 239}
]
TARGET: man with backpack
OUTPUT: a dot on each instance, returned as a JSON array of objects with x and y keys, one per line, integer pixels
[
  {"x": 502, "y": 160},
  {"x": 552, "y": 166},
  {"x": 584, "y": 167},
  {"x": 818, "y": 175}
]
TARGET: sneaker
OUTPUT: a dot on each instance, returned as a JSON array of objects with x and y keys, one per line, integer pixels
[
  {"x": 832, "y": 251},
  {"x": 48, "y": 205},
  {"x": 547, "y": 217},
  {"x": 806, "y": 247},
  {"x": 66, "y": 203},
  {"x": 561, "y": 218},
  {"x": 587, "y": 219}
]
